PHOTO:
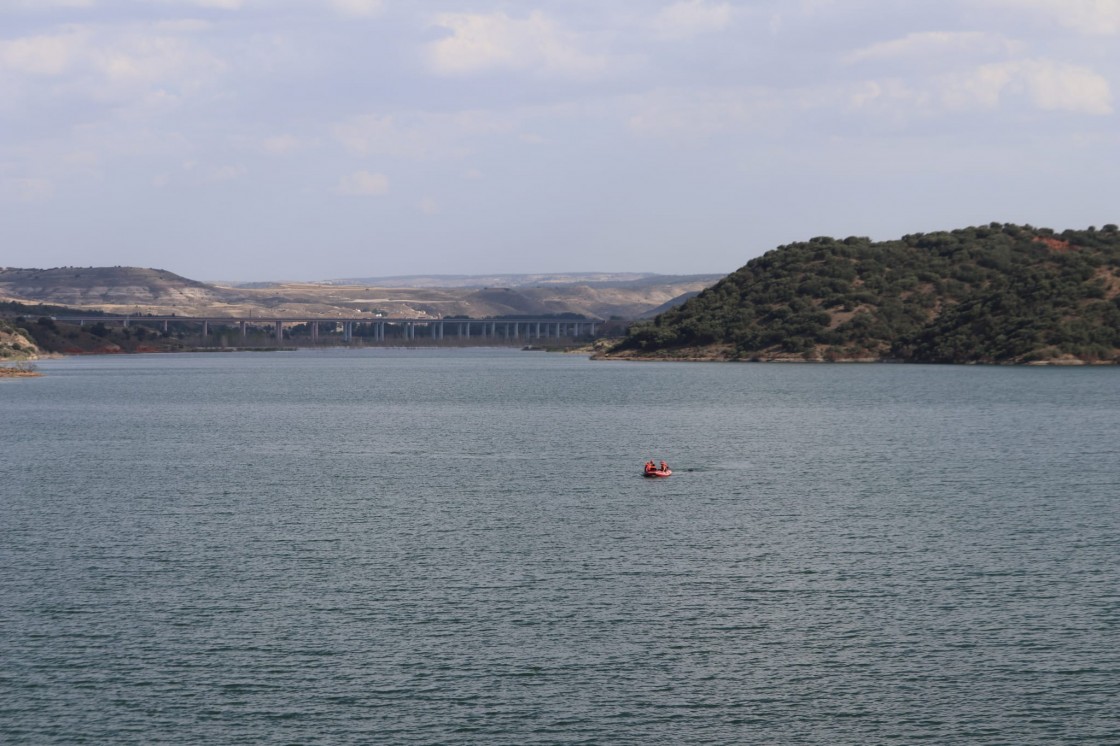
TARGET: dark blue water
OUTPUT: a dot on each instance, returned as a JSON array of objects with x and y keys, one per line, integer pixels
[{"x": 456, "y": 547}]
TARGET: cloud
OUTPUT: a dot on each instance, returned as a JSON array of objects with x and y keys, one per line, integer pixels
[
  {"x": 1089, "y": 17},
  {"x": 936, "y": 45},
  {"x": 1048, "y": 84},
  {"x": 42, "y": 55},
  {"x": 358, "y": 8},
  {"x": 480, "y": 43},
  {"x": 112, "y": 63},
  {"x": 363, "y": 184},
  {"x": 805, "y": 9},
  {"x": 689, "y": 18}
]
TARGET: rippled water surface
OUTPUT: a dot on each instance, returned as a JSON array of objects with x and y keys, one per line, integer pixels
[{"x": 398, "y": 546}]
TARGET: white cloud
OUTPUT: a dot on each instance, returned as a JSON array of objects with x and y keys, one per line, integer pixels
[
  {"x": 1048, "y": 84},
  {"x": 936, "y": 45},
  {"x": 363, "y": 184},
  {"x": 805, "y": 9},
  {"x": 1090, "y": 17},
  {"x": 358, "y": 8},
  {"x": 689, "y": 18},
  {"x": 481, "y": 43},
  {"x": 105, "y": 63},
  {"x": 42, "y": 55}
]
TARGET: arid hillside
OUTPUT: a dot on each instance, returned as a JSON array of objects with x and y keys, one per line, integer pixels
[{"x": 132, "y": 290}]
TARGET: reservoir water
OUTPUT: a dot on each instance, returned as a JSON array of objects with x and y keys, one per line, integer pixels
[{"x": 425, "y": 546}]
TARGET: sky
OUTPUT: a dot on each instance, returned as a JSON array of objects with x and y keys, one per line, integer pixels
[{"x": 317, "y": 139}]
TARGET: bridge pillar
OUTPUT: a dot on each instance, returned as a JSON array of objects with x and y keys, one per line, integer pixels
[
  {"x": 279, "y": 332},
  {"x": 347, "y": 330},
  {"x": 314, "y": 332},
  {"x": 165, "y": 326},
  {"x": 205, "y": 329},
  {"x": 244, "y": 330}
]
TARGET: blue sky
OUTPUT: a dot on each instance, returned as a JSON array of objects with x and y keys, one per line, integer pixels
[{"x": 312, "y": 139}]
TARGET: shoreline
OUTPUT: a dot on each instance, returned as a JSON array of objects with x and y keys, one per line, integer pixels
[
  {"x": 1063, "y": 362},
  {"x": 8, "y": 371}
]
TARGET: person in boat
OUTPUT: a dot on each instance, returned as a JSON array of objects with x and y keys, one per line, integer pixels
[
  {"x": 650, "y": 467},
  {"x": 664, "y": 466}
]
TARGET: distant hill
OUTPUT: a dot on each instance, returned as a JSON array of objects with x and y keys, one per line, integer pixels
[
  {"x": 590, "y": 279},
  {"x": 114, "y": 289},
  {"x": 673, "y": 303},
  {"x": 133, "y": 290},
  {"x": 1000, "y": 293}
]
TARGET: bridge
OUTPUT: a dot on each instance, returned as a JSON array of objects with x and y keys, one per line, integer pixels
[{"x": 376, "y": 329}]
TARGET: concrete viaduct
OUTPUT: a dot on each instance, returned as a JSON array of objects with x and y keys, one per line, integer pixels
[{"x": 505, "y": 329}]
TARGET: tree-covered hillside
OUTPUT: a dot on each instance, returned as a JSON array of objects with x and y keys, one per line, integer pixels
[{"x": 993, "y": 294}]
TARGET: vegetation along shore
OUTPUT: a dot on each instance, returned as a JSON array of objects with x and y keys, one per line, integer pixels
[{"x": 996, "y": 294}]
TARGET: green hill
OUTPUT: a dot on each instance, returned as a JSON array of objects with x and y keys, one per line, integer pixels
[{"x": 993, "y": 294}]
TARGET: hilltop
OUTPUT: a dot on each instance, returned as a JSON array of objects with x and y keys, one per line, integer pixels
[{"x": 1000, "y": 293}]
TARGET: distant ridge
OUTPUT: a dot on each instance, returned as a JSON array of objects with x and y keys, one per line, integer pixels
[
  {"x": 138, "y": 291},
  {"x": 592, "y": 279}
]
